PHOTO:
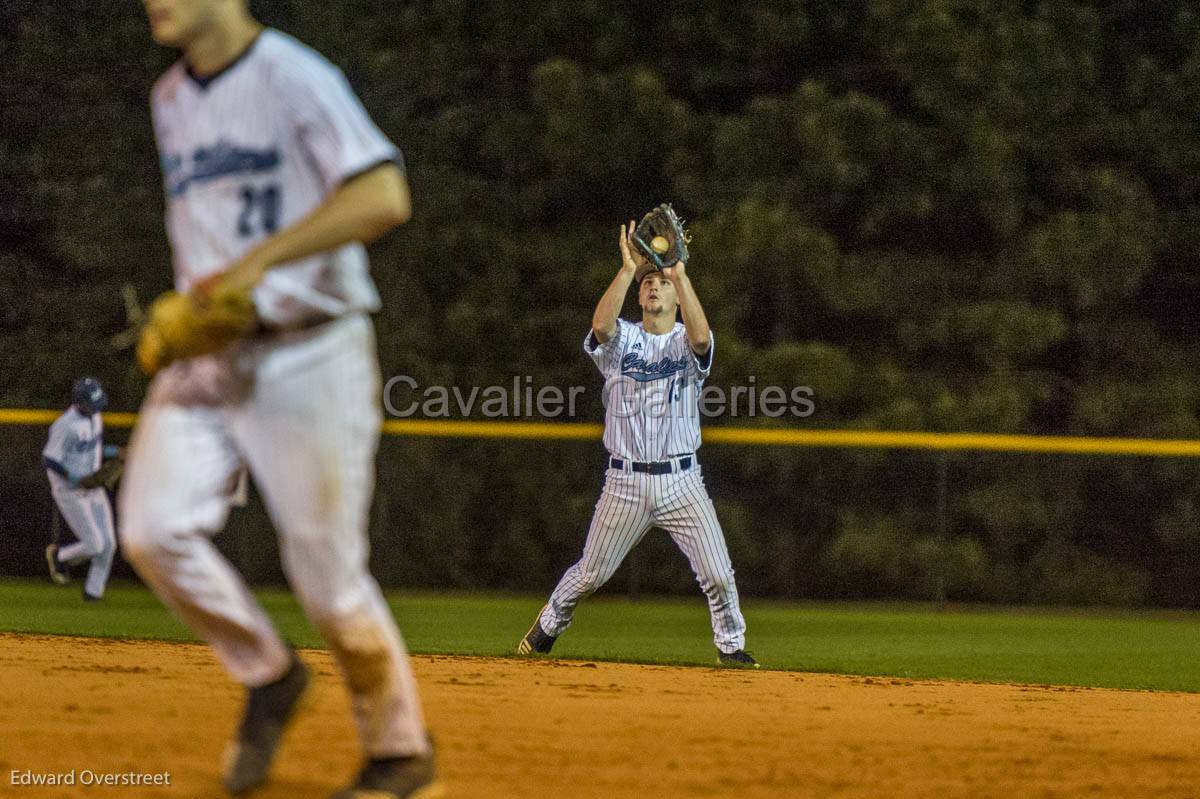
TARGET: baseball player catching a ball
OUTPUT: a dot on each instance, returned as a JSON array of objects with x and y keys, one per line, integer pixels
[
  {"x": 74, "y": 459},
  {"x": 653, "y": 373},
  {"x": 265, "y": 357}
]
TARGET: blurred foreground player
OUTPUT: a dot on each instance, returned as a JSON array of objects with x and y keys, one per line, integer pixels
[{"x": 274, "y": 176}]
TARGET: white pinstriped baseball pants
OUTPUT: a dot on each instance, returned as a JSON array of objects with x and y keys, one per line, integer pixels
[
  {"x": 301, "y": 411},
  {"x": 632, "y": 503}
]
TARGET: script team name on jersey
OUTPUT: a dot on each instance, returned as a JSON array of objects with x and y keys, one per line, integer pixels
[
  {"x": 254, "y": 149},
  {"x": 651, "y": 391}
]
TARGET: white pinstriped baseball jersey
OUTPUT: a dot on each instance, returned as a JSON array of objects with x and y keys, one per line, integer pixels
[
  {"x": 254, "y": 149},
  {"x": 76, "y": 442},
  {"x": 651, "y": 391}
]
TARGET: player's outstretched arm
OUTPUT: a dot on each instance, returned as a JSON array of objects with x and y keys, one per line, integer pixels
[
  {"x": 362, "y": 209},
  {"x": 604, "y": 318},
  {"x": 694, "y": 320}
]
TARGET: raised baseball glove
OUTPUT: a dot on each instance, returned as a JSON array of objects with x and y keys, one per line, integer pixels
[
  {"x": 182, "y": 326},
  {"x": 106, "y": 476},
  {"x": 662, "y": 238}
]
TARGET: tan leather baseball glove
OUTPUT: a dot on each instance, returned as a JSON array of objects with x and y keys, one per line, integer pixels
[{"x": 181, "y": 326}]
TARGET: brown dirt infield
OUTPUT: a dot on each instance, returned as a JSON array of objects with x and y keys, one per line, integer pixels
[{"x": 514, "y": 728}]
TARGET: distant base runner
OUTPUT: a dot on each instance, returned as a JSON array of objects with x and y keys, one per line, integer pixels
[{"x": 653, "y": 374}]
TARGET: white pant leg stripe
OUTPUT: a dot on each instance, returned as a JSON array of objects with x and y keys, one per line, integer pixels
[
  {"x": 614, "y": 516},
  {"x": 696, "y": 530},
  {"x": 712, "y": 538},
  {"x": 731, "y": 621},
  {"x": 617, "y": 526},
  {"x": 696, "y": 507}
]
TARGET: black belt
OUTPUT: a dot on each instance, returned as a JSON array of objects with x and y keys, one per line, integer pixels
[
  {"x": 270, "y": 330},
  {"x": 653, "y": 467}
]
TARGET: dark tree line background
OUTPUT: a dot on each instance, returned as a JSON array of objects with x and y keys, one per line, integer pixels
[{"x": 946, "y": 215}]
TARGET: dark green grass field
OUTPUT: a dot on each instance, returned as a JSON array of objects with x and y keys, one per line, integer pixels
[{"x": 1137, "y": 650}]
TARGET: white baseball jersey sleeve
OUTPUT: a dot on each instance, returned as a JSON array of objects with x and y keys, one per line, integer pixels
[
  {"x": 254, "y": 149},
  {"x": 76, "y": 442},
  {"x": 652, "y": 389}
]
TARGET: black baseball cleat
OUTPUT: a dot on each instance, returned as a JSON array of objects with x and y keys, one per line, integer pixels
[
  {"x": 740, "y": 659},
  {"x": 395, "y": 778},
  {"x": 57, "y": 573},
  {"x": 537, "y": 640},
  {"x": 90, "y": 597},
  {"x": 268, "y": 710}
]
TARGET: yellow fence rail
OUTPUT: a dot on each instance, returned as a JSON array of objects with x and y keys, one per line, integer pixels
[{"x": 760, "y": 436}]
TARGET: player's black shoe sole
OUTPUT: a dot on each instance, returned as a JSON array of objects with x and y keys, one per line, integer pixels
[
  {"x": 395, "y": 778},
  {"x": 268, "y": 710},
  {"x": 536, "y": 641},
  {"x": 741, "y": 659}
]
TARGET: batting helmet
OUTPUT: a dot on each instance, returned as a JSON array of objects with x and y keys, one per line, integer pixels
[{"x": 88, "y": 395}]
